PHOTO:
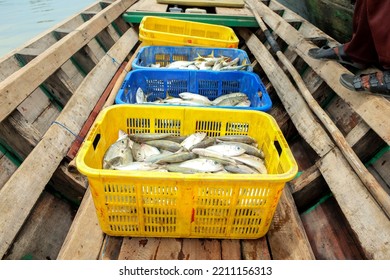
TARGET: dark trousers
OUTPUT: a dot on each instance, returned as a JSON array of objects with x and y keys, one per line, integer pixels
[{"x": 370, "y": 43}]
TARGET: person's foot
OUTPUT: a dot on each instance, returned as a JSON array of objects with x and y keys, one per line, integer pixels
[
  {"x": 376, "y": 83},
  {"x": 336, "y": 53}
]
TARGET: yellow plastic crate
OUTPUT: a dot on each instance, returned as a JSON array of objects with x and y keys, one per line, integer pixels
[
  {"x": 162, "y": 204},
  {"x": 161, "y": 31}
]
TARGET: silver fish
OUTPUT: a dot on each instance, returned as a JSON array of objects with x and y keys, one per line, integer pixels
[
  {"x": 244, "y": 103},
  {"x": 249, "y": 149},
  {"x": 233, "y": 68},
  {"x": 176, "y": 157},
  {"x": 165, "y": 145},
  {"x": 240, "y": 169},
  {"x": 202, "y": 165},
  {"x": 237, "y": 138},
  {"x": 140, "y": 97},
  {"x": 227, "y": 149},
  {"x": 137, "y": 166},
  {"x": 231, "y": 101},
  {"x": 179, "y": 101},
  {"x": 229, "y": 95},
  {"x": 143, "y": 137},
  {"x": 195, "y": 97},
  {"x": 179, "y": 64},
  {"x": 143, "y": 151},
  {"x": 118, "y": 153},
  {"x": 252, "y": 161},
  {"x": 155, "y": 158},
  {"x": 206, "y": 142},
  {"x": 212, "y": 154},
  {"x": 231, "y": 62},
  {"x": 174, "y": 167},
  {"x": 193, "y": 139}
]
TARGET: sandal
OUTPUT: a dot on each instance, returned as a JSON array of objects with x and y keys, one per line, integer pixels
[
  {"x": 336, "y": 53},
  {"x": 377, "y": 83}
]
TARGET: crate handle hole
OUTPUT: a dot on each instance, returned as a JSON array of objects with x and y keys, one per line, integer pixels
[
  {"x": 96, "y": 141},
  {"x": 278, "y": 148}
]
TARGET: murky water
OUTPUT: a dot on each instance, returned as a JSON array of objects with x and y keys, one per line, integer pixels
[{"x": 22, "y": 20}]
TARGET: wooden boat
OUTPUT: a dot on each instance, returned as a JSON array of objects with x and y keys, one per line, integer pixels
[{"x": 53, "y": 87}]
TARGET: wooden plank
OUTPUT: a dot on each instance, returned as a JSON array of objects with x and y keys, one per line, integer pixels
[
  {"x": 7, "y": 168},
  {"x": 41, "y": 163},
  {"x": 170, "y": 249},
  {"x": 104, "y": 37},
  {"x": 300, "y": 113},
  {"x": 328, "y": 235},
  {"x": 138, "y": 248},
  {"x": 205, "y": 3},
  {"x": 374, "y": 110},
  {"x": 342, "y": 115},
  {"x": 111, "y": 248},
  {"x": 244, "y": 11},
  {"x": 71, "y": 186},
  {"x": 19, "y": 135},
  {"x": 201, "y": 249},
  {"x": 256, "y": 249},
  {"x": 44, "y": 231},
  {"x": 368, "y": 222},
  {"x": 357, "y": 133},
  {"x": 85, "y": 237},
  {"x": 286, "y": 236},
  {"x": 91, "y": 118},
  {"x": 82, "y": 58},
  {"x": 382, "y": 166},
  {"x": 231, "y": 249},
  {"x": 149, "y": 6},
  {"x": 15, "y": 88}
]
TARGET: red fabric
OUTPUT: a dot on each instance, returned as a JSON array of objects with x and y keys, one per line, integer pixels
[{"x": 370, "y": 43}]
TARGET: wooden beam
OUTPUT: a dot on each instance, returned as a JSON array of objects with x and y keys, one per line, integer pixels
[
  {"x": 374, "y": 110},
  {"x": 299, "y": 112},
  {"x": 20, "y": 193},
  {"x": 16, "y": 87}
]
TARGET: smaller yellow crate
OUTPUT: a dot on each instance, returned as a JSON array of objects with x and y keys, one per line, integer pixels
[
  {"x": 161, "y": 31},
  {"x": 163, "y": 204}
]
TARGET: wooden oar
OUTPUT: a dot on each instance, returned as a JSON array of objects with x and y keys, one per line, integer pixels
[{"x": 376, "y": 190}]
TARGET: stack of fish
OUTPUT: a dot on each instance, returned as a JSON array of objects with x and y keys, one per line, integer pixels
[
  {"x": 237, "y": 99},
  {"x": 195, "y": 153},
  {"x": 210, "y": 62}
]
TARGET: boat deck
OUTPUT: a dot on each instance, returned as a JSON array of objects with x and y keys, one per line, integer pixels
[{"x": 325, "y": 213}]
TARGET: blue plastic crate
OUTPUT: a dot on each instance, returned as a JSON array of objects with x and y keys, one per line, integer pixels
[
  {"x": 166, "y": 54},
  {"x": 212, "y": 84}
]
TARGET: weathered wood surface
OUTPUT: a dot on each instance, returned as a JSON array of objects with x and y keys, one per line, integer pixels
[
  {"x": 370, "y": 225},
  {"x": 44, "y": 232},
  {"x": 328, "y": 236},
  {"x": 287, "y": 237},
  {"x": 149, "y": 5},
  {"x": 15, "y": 88},
  {"x": 84, "y": 239},
  {"x": 34, "y": 173}
]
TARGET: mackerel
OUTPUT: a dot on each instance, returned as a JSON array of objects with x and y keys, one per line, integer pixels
[
  {"x": 229, "y": 95},
  {"x": 237, "y": 138},
  {"x": 252, "y": 161}
]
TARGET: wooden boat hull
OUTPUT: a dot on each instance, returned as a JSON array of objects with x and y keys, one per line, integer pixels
[{"x": 75, "y": 69}]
